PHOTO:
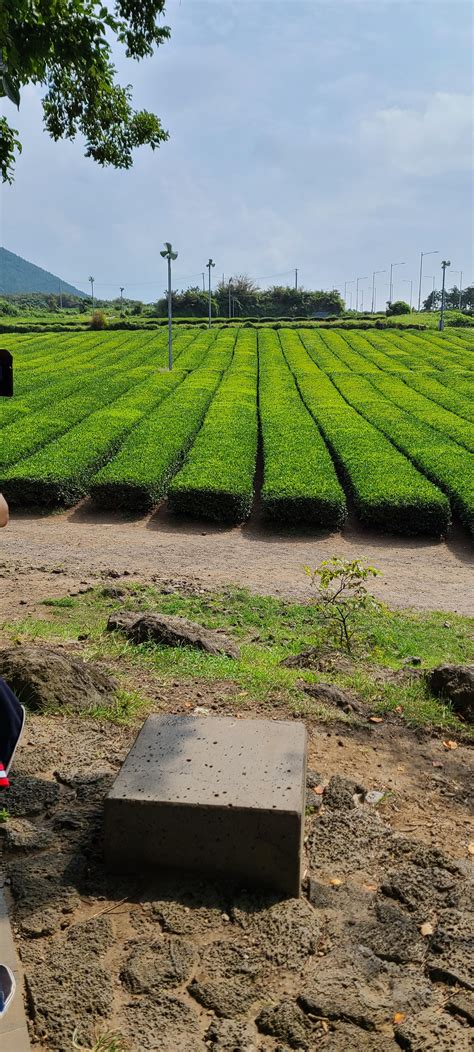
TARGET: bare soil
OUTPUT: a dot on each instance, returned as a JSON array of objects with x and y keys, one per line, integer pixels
[
  {"x": 82, "y": 544},
  {"x": 183, "y": 966},
  {"x": 375, "y": 956}
]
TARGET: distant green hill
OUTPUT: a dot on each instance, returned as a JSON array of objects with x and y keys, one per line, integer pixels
[{"x": 18, "y": 275}]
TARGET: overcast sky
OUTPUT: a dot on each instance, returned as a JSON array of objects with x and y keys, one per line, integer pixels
[{"x": 333, "y": 137}]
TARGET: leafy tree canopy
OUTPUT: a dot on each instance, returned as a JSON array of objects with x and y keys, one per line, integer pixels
[{"x": 65, "y": 45}]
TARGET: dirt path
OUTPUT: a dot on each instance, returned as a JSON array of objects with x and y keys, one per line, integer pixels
[{"x": 82, "y": 544}]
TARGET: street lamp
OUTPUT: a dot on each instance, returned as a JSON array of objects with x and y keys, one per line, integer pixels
[
  {"x": 168, "y": 254},
  {"x": 408, "y": 281},
  {"x": 230, "y": 297},
  {"x": 357, "y": 290},
  {"x": 434, "y": 253},
  {"x": 459, "y": 273},
  {"x": 91, "y": 279},
  {"x": 432, "y": 278},
  {"x": 346, "y": 283},
  {"x": 209, "y": 265},
  {"x": 373, "y": 286},
  {"x": 445, "y": 263},
  {"x": 392, "y": 265},
  {"x": 122, "y": 287}
]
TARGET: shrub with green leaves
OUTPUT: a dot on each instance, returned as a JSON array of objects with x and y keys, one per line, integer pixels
[
  {"x": 139, "y": 475},
  {"x": 61, "y": 472},
  {"x": 300, "y": 485},
  {"x": 216, "y": 481},
  {"x": 450, "y": 466},
  {"x": 388, "y": 492}
]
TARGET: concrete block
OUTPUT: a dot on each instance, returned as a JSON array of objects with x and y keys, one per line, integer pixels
[{"x": 211, "y": 795}]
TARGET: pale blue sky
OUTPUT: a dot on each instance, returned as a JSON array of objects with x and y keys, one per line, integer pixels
[{"x": 333, "y": 137}]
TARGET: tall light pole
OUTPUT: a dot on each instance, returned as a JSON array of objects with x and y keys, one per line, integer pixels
[
  {"x": 392, "y": 265},
  {"x": 408, "y": 281},
  {"x": 296, "y": 279},
  {"x": 122, "y": 287},
  {"x": 209, "y": 265},
  {"x": 460, "y": 291},
  {"x": 346, "y": 283},
  {"x": 433, "y": 278},
  {"x": 203, "y": 283},
  {"x": 60, "y": 296},
  {"x": 434, "y": 253},
  {"x": 230, "y": 297},
  {"x": 91, "y": 279},
  {"x": 373, "y": 286},
  {"x": 445, "y": 263},
  {"x": 168, "y": 254},
  {"x": 357, "y": 289}
]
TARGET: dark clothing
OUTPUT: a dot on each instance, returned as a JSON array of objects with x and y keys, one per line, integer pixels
[{"x": 12, "y": 718}]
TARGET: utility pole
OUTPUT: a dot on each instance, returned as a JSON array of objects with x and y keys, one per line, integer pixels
[
  {"x": 296, "y": 279},
  {"x": 445, "y": 263},
  {"x": 392, "y": 265},
  {"x": 121, "y": 298},
  {"x": 60, "y": 296},
  {"x": 373, "y": 286},
  {"x": 346, "y": 283},
  {"x": 209, "y": 265},
  {"x": 91, "y": 279},
  {"x": 460, "y": 291},
  {"x": 362, "y": 300},
  {"x": 357, "y": 290},
  {"x": 168, "y": 254},
  {"x": 203, "y": 285},
  {"x": 230, "y": 297},
  {"x": 435, "y": 253},
  {"x": 409, "y": 282}
]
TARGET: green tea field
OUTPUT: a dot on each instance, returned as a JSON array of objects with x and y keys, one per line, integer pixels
[{"x": 306, "y": 421}]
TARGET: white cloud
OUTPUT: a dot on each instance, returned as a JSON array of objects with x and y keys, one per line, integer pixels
[{"x": 435, "y": 139}]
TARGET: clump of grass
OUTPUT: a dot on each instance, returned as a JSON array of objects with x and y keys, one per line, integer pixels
[
  {"x": 109, "y": 1041},
  {"x": 4, "y": 814}
]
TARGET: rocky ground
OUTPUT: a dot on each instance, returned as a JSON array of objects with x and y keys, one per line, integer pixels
[{"x": 376, "y": 955}]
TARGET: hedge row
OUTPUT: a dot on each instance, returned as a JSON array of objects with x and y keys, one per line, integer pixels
[
  {"x": 388, "y": 492},
  {"x": 216, "y": 481},
  {"x": 437, "y": 392},
  {"x": 300, "y": 484},
  {"x": 422, "y": 408},
  {"x": 138, "y": 476},
  {"x": 438, "y": 457},
  {"x": 60, "y": 473},
  {"x": 35, "y": 430},
  {"x": 52, "y": 384}
]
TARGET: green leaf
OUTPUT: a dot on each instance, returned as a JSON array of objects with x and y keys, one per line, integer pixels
[{"x": 10, "y": 90}]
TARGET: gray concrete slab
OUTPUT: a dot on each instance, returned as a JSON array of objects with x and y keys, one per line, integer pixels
[
  {"x": 215, "y": 795},
  {"x": 13, "y": 1028}
]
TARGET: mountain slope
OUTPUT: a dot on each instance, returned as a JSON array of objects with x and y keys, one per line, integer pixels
[{"x": 18, "y": 275}]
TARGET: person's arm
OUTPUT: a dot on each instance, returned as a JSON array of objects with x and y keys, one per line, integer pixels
[{"x": 3, "y": 511}]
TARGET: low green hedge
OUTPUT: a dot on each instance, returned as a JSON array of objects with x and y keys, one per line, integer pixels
[
  {"x": 216, "y": 481},
  {"x": 437, "y": 456},
  {"x": 31, "y": 432},
  {"x": 387, "y": 490},
  {"x": 422, "y": 408},
  {"x": 60, "y": 473},
  {"x": 300, "y": 485},
  {"x": 138, "y": 477}
]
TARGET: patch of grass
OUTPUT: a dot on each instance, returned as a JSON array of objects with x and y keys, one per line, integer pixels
[
  {"x": 268, "y": 630},
  {"x": 4, "y": 814},
  {"x": 109, "y": 1041}
]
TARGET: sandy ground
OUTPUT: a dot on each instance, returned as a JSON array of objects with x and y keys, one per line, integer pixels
[
  {"x": 189, "y": 965},
  {"x": 83, "y": 544}
]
